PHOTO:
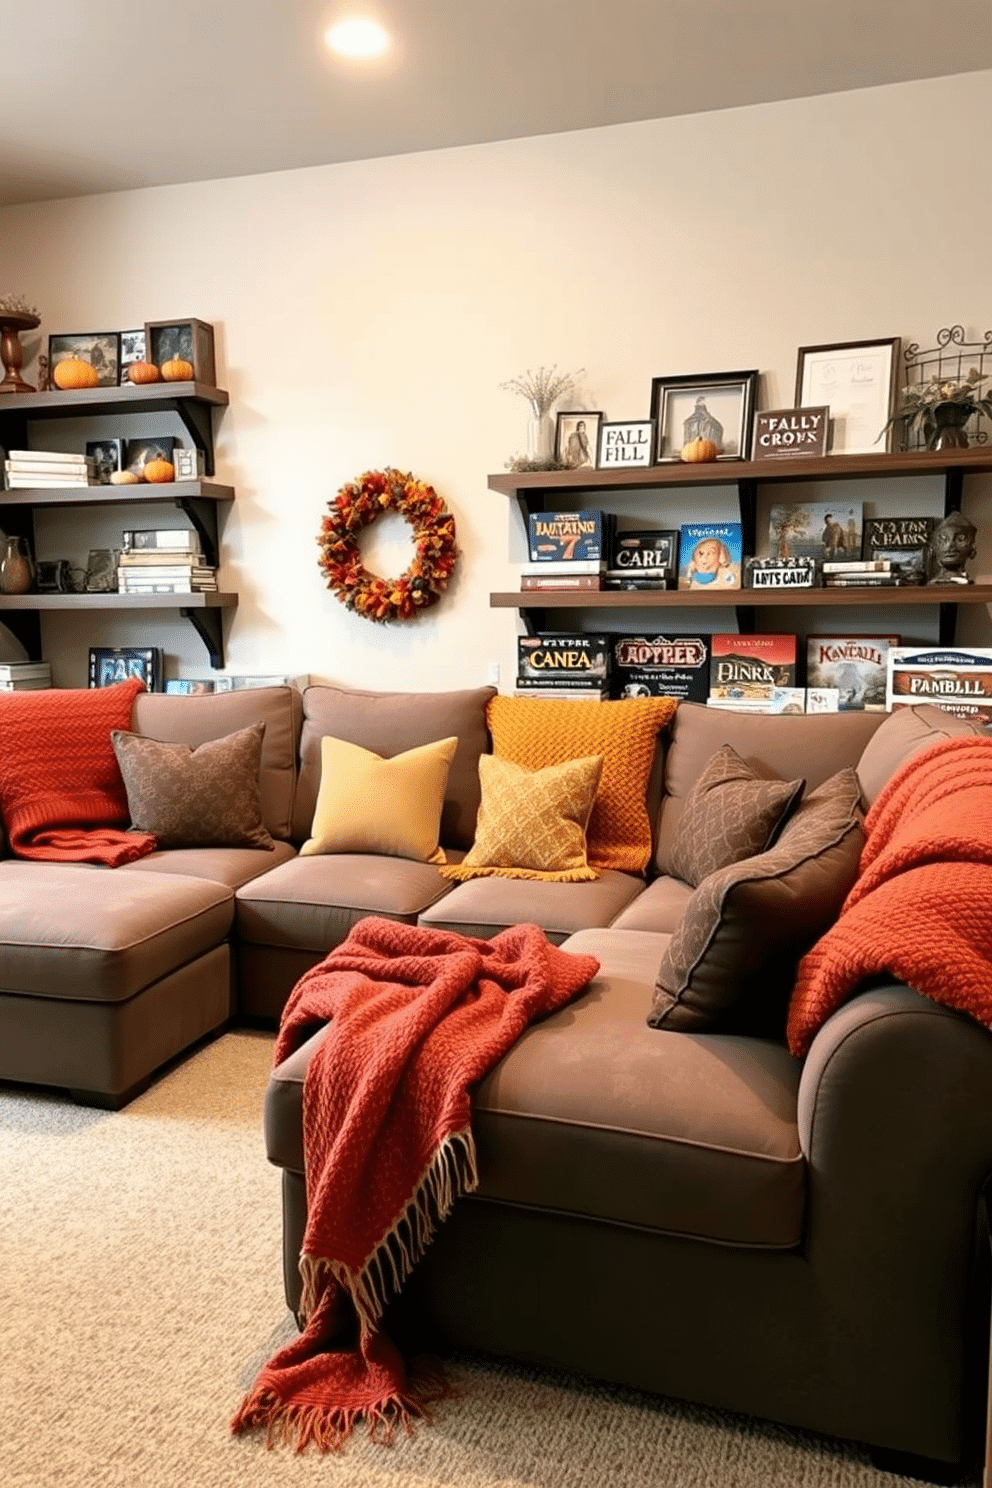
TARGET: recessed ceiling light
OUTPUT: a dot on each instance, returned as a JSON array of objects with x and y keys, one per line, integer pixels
[{"x": 357, "y": 37}]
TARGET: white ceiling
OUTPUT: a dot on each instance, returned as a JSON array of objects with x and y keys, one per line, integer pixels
[{"x": 105, "y": 95}]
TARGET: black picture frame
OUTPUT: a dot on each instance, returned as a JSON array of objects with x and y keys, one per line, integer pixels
[
  {"x": 193, "y": 340},
  {"x": 107, "y": 456},
  {"x": 577, "y": 438},
  {"x": 137, "y": 452},
  {"x": 112, "y": 664},
  {"x": 675, "y": 400},
  {"x": 101, "y": 349}
]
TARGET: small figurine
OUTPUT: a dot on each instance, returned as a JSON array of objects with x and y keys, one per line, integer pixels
[{"x": 951, "y": 545}]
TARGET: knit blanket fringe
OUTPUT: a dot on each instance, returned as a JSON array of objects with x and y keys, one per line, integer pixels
[
  {"x": 451, "y": 1172},
  {"x": 460, "y": 872},
  {"x": 414, "y": 1019}
]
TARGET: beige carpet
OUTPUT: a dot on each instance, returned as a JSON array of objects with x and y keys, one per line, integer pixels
[{"x": 140, "y": 1288}]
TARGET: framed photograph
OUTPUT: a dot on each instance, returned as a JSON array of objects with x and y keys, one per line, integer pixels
[
  {"x": 857, "y": 381},
  {"x": 137, "y": 452},
  {"x": 717, "y": 406},
  {"x": 188, "y": 464},
  {"x": 110, "y": 664},
  {"x": 107, "y": 456},
  {"x": 101, "y": 571},
  {"x": 132, "y": 350},
  {"x": 102, "y": 349},
  {"x": 577, "y": 438},
  {"x": 626, "y": 445},
  {"x": 193, "y": 340}
]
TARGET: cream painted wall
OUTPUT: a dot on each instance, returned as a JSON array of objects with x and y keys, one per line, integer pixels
[{"x": 366, "y": 314}]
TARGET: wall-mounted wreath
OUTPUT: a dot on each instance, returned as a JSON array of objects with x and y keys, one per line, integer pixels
[{"x": 353, "y": 509}]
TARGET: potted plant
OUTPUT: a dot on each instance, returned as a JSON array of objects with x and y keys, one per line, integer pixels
[{"x": 940, "y": 407}]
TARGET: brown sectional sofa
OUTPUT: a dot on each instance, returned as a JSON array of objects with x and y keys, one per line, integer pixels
[{"x": 698, "y": 1214}]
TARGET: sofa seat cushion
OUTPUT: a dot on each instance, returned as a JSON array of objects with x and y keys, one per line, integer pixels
[
  {"x": 660, "y": 908},
  {"x": 232, "y": 866},
  {"x": 484, "y": 906},
  {"x": 101, "y": 935},
  {"x": 312, "y": 903},
  {"x": 592, "y": 1113}
]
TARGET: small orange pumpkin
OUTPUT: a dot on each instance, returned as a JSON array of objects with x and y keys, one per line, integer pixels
[
  {"x": 73, "y": 372},
  {"x": 157, "y": 471},
  {"x": 177, "y": 369},
  {"x": 698, "y": 451},
  {"x": 143, "y": 372}
]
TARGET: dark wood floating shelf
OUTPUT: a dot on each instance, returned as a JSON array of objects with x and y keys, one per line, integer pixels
[
  {"x": 203, "y": 611},
  {"x": 145, "y": 492},
  {"x": 149, "y": 397},
  {"x": 973, "y": 461},
  {"x": 691, "y": 599}
]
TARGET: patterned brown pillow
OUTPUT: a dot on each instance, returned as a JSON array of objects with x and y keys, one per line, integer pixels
[
  {"x": 732, "y": 961},
  {"x": 731, "y": 813},
  {"x": 203, "y": 797}
]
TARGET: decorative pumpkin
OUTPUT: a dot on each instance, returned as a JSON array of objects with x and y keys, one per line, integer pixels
[
  {"x": 143, "y": 372},
  {"x": 157, "y": 471},
  {"x": 73, "y": 372},
  {"x": 123, "y": 478},
  {"x": 698, "y": 451},
  {"x": 177, "y": 369}
]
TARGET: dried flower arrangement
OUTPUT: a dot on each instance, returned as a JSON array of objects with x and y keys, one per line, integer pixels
[{"x": 916, "y": 409}]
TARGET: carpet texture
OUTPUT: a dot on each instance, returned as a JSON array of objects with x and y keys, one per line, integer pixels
[{"x": 140, "y": 1292}]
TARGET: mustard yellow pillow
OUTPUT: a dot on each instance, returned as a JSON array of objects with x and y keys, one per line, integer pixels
[
  {"x": 532, "y": 823},
  {"x": 535, "y": 732},
  {"x": 367, "y": 804}
]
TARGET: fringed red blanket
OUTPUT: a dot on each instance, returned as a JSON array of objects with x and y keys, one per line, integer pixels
[
  {"x": 417, "y": 1017},
  {"x": 921, "y": 908},
  {"x": 62, "y": 795}
]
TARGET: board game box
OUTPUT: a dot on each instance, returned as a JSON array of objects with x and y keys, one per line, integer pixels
[
  {"x": 710, "y": 556},
  {"x": 750, "y": 666},
  {"x": 661, "y": 666},
  {"x": 957, "y": 678},
  {"x": 557, "y": 536},
  {"x": 853, "y": 665},
  {"x": 563, "y": 660}
]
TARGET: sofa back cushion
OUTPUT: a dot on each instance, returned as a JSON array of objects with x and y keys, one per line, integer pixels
[
  {"x": 196, "y": 719},
  {"x": 906, "y": 731},
  {"x": 814, "y": 745},
  {"x": 390, "y": 723}
]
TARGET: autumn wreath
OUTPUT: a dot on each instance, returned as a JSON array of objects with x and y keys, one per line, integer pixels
[{"x": 353, "y": 509}]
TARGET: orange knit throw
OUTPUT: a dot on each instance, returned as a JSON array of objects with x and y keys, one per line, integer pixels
[
  {"x": 62, "y": 795},
  {"x": 417, "y": 1016},
  {"x": 921, "y": 909}
]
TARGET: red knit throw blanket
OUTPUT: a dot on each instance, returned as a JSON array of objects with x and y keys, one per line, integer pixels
[
  {"x": 62, "y": 796},
  {"x": 418, "y": 1017},
  {"x": 922, "y": 906}
]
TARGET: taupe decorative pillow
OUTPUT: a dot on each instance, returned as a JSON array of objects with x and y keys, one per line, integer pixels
[
  {"x": 730, "y": 814},
  {"x": 732, "y": 961},
  {"x": 203, "y": 797}
]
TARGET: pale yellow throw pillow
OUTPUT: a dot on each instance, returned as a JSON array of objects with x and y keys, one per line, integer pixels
[
  {"x": 532, "y": 823},
  {"x": 367, "y": 804}
]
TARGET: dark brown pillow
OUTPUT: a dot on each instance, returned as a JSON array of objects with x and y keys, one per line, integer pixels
[
  {"x": 732, "y": 961},
  {"x": 730, "y": 814},
  {"x": 203, "y": 797}
]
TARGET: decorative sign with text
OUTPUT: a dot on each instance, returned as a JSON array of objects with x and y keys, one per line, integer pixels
[
  {"x": 786, "y": 432},
  {"x": 626, "y": 444}
]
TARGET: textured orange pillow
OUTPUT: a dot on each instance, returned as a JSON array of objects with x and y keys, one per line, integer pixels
[{"x": 535, "y": 732}]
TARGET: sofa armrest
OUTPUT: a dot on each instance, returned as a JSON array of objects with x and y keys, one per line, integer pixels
[{"x": 895, "y": 1122}]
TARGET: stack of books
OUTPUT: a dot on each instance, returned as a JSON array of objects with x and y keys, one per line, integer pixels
[
  {"x": 164, "y": 571},
  {"x": 163, "y": 561},
  {"x": 33, "y": 469},
  {"x": 573, "y": 666},
  {"x": 862, "y": 572},
  {"x": 24, "y": 676},
  {"x": 567, "y": 550}
]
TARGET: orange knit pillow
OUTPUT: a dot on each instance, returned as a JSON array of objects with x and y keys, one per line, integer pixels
[{"x": 535, "y": 732}]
